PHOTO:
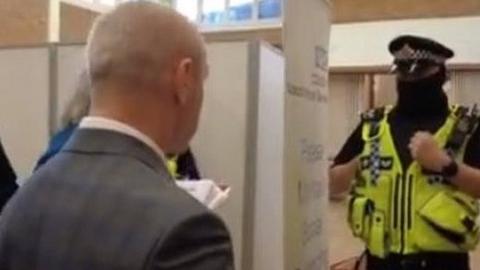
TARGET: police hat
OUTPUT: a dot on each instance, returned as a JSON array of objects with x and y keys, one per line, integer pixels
[{"x": 419, "y": 49}]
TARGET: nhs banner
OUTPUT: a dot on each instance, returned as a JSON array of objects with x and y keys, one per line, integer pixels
[{"x": 306, "y": 43}]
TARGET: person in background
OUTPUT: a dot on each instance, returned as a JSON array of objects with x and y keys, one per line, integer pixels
[
  {"x": 76, "y": 109},
  {"x": 183, "y": 167},
  {"x": 187, "y": 166},
  {"x": 8, "y": 185},
  {"x": 107, "y": 201},
  {"x": 416, "y": 167}
]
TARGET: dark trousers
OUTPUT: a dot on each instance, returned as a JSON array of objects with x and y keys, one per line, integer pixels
[{"x": 421, "y": 261}]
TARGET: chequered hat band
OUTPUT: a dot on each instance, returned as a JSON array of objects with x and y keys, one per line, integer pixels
[{"x": 407, "y": 53}]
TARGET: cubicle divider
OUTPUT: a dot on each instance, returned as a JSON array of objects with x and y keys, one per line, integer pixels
[
  {"x": 24, "y": 105},
  {"x": 239, "y": 141},
  {"x": 269, "y": 217}
]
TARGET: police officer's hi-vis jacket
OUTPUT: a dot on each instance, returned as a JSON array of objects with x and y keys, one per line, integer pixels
[{"x": 406, "y": 210}]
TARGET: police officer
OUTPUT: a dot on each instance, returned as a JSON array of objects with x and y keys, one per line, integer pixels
[
  {"x": 183, "y": 166},
  {"x": 416, "y": 169}
]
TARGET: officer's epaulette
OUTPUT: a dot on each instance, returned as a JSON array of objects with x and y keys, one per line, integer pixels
[{"x": 373, "y": 115}]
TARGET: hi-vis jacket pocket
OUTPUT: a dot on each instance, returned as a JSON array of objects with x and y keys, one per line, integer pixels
[
  {"x": 360, "y": 216},
  {"x": 376, "y": 243},
  {"x": 452, "y": 216}
]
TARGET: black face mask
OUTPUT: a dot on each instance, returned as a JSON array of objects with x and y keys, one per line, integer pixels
[{"x": 423, "y": 97}]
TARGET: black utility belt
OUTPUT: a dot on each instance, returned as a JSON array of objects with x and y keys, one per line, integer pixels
[{"x": 424, "y": 260}]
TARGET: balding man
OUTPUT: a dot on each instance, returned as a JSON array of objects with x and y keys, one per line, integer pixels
[{"x": 106, "y": 201}]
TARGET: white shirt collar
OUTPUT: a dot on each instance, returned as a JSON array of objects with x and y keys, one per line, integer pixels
[{"x": 97, "y": 122}]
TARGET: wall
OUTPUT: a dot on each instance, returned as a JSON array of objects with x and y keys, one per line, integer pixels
[
  {"x": 465, "y": 87},
  {"x": 75, "y": 23},
  {"x": 344, "y": 108},
  {"x": 349, "y": 47},
  {"x": 24, "y": 105},
  {"x": 26, "y": 22},
  {"x": 368, "y": 10},
  {"x": 385, "y": 90},
  {"x": 23, "y": 22}
]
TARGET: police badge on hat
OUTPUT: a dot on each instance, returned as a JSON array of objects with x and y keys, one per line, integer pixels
[{"x": 412, "y": 52}]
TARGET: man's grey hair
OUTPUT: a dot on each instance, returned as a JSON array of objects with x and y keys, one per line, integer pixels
[{"x": 134, "y": 41}]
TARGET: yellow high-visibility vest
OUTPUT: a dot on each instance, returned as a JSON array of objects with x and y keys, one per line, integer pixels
[
  {"x": 172, "y": 167},
  {"x": 407, "y": 211}
]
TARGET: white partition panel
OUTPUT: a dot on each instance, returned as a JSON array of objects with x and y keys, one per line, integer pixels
[
  {"x": 306, "y": 45},
  {"x": 24, "y": 105},
  {"x": 243, "y": 109},
  {"x": 220, "y": 145},
  {"x": 70, "y": 61},
  {"x": 268, "y": 246}
]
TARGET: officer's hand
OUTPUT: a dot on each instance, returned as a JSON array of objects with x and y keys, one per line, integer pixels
[
  {"x": 425, "y": 150},
  {"x": 354, "y": 163}
]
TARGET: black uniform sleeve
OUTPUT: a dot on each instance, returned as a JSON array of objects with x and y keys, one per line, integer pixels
[
  {"x": 8, "y": 186},
  {"x": 187, "y": 167},
  {"x": 472, "y": 151},
  {"x": 352, "y": 147}
]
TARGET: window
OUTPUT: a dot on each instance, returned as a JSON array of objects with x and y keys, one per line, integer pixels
[
  {"x": 231, "y": 12},
  {"x": 240, "y": 10},
  {"x": 213, "y": 11},
  {"x": 268, "y": 9},
  {"x": 219, "y": 12}
]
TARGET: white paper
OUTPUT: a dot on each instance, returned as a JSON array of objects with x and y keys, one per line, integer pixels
[{"x": 205, "y": 191}]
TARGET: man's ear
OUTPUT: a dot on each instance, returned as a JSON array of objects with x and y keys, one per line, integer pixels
[{"x": 184, "y": 75}]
